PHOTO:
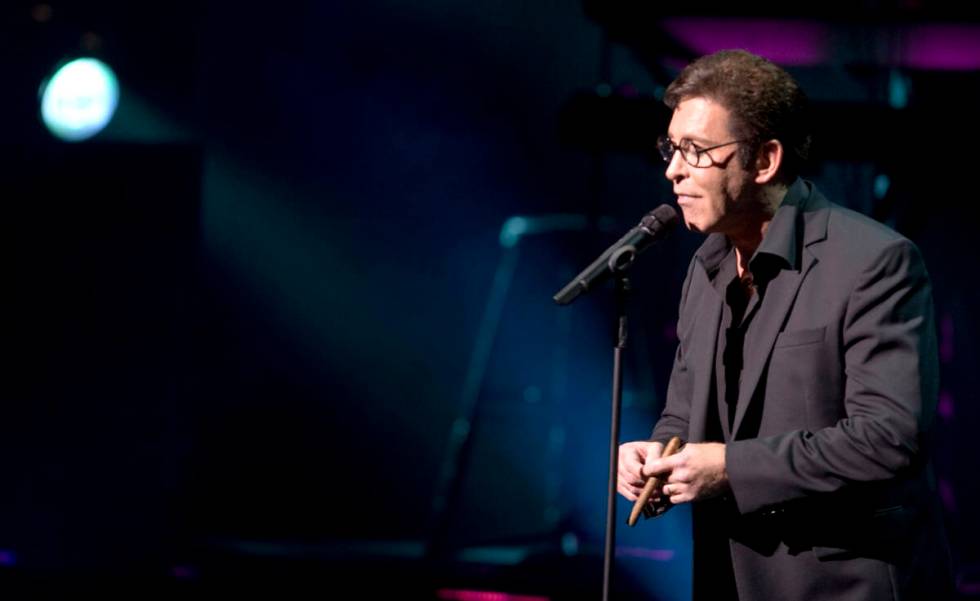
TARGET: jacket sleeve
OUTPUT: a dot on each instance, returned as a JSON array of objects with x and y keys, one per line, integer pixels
[
  {"x": 675, "y": 418},
  {"x": 891, "y": 381}
]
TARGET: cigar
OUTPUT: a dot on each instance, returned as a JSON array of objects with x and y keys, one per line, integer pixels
[{"x": 641, "y": 506}]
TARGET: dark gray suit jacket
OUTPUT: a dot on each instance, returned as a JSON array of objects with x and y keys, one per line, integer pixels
[{"x": 831, "y": 493}]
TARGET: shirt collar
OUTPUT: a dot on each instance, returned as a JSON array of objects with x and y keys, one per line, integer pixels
[
  {"x": 780, "y": 241},
  {"x": 779, "y": 246}
]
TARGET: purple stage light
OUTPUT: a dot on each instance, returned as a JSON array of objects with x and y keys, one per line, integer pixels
[
  {"x": 945, "y": 408},
  {"x": 465, "y": 595},
  {"x": 7, "y": 557},
  {"x": 944, "y": 47},
  {"x": 791, "y": 43},
  {"x": 800, "y": 43},
  {"x": 645, "y": 553},
  {"x": 946, "y": 331},
  {"x": 947, "y": 495}
]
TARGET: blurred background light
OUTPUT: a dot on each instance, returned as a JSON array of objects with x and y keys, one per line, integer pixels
[{"x": 79, "y": 100}]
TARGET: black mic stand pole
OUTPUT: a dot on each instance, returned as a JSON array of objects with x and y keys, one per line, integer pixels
[{"x": 622, "y": 295}]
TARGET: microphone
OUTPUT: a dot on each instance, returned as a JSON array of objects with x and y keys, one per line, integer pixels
[{"x": 618, "y": 257}]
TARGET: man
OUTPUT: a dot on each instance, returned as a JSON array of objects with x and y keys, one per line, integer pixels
[{"x": 805, "y": 380}]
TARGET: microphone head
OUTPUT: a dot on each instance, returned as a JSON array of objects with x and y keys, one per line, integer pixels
[{"x": 660, "y": 220}]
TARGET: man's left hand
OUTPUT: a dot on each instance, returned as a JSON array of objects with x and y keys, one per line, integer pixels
[{"x": 696, "y": 473}]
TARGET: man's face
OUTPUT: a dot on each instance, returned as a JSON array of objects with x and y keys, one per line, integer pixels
[{"x": 709, "y": 197}]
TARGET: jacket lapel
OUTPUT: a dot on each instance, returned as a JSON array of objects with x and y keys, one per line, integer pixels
[
  {"x": 704, "y": 343},
  {"x": 780, "y": 295},
  {"x": 810, "y": 226}
]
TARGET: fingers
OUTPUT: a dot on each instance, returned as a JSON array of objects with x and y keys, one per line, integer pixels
[
  {"x": 630, "y": 485},
  {"x": 630, "y": 492},
  {"x": 657, "y": 466},
  {"x": 697, "y": 472},
  {"x": 679, "y": 483},
  {"x": 632, "y": 457},
  {"x": 682, "y": 486},
  {"x": 677, "y": 493},
  {"x": 629, "y": 480}
]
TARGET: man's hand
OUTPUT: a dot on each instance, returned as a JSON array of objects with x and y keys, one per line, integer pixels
[
  {"x": 695, "y": 473},
  {"x": 630, "y": 479}
]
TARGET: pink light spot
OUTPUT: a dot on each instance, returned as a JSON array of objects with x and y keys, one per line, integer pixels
[
  {"x": 183, "y": 572},
  {"x": 947, "y": 495},
  {"x": 465, "y": 595},
  {"x": 945, "y": 408},
  {"x": 950, "y": 47},
  {"x": 946, "y": 339},
  {"x": 645, "y": 553},
  {"x": 786, "y": 42}
]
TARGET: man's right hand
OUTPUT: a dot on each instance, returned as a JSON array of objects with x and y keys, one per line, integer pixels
[{"x": 630, "y": 480}]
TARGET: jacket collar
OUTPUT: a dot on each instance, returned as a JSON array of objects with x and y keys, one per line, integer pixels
[{"x": 782, "y": 242}]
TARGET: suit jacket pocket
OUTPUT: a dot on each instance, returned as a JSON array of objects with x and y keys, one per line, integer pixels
[{"x": 800, "y": 337}]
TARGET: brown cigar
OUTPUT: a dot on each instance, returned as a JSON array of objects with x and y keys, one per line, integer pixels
[{"x": 652, "y": 484}]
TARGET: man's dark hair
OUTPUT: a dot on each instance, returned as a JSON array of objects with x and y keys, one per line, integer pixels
[{"x": 765, "y": 103}]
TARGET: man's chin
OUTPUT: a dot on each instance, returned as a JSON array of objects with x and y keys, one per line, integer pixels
[
  {"x": 701, "y": 226},
  {"x": 689, "y": 222}
]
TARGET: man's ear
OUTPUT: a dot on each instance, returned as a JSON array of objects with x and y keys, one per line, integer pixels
[{"x": 768, "y": 161}]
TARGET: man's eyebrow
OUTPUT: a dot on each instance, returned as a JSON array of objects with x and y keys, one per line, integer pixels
[
  {"x": 695, "y": 139},
  {"x": 701, "y": 141}
]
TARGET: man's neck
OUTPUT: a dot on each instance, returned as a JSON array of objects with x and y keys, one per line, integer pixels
[{"x": 747, "y": 240}]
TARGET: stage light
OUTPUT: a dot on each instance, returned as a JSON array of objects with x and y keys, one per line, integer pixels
[
  {"x": 79, "y": 99},
  {"x": 881, "y": 185}
]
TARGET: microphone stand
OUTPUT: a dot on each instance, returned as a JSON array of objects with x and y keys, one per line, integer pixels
[
  {"x": 615, "y": 261},
  {"x": 622, "y": 295}
]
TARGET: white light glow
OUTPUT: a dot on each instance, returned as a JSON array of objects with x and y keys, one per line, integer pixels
[{"x": 79, "y": 99}]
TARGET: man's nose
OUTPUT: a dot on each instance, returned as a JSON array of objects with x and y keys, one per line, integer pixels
[{"x": 676, "y": 166}]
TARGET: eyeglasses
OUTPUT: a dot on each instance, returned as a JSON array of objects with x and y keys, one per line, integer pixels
[{"x": 694, "y": 156}]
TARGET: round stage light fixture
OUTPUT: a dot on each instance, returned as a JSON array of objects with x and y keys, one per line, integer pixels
[{"x": 78, "y": 101}]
